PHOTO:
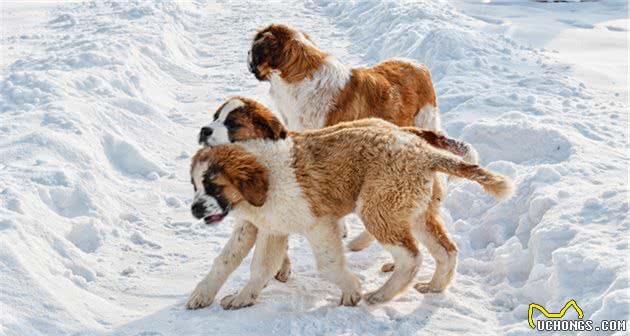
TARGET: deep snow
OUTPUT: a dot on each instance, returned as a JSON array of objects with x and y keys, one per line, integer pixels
[{"x": 99, "y": 108}]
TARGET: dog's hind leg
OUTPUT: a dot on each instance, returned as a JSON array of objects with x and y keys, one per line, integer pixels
[
  {"x": 408, "y": 260},
  {"x": 430, "y": 231},
  {"x": 328, "y": 250},
  {"x": 388, "y": 209},
  {"x": 431, "y": 215},
  {"x": 240, "y": 243},
  {"x": 399, "y": 241},
  {"x": 268, "y": 255}
]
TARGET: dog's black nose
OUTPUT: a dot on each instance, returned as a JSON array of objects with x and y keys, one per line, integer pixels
[
  {"x": 204, "y": 134},
  {"x": 198, "y": 210}
]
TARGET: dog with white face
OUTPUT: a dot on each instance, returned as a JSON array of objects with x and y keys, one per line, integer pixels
[{"x": 305, "y": 182}]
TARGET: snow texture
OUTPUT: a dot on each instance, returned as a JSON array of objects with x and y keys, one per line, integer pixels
[{"x": 100, "y": 103}]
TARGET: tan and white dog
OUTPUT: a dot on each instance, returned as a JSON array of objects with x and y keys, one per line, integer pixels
[
  {"x": 240, "y": 119},
  {"x": 304, "y": 183},
  {"x": 313, "y": 89}
]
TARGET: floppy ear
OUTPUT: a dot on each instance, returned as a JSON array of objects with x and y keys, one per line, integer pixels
[
  {"x": 254, "y": 189},
  {"x": 250, "y": 178},
  {"x": 271, "y": 127},
  {"x": 262, "y": 45}
]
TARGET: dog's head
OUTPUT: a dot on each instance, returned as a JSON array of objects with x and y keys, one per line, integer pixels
[
  {"x": 223, "y": 177},
  {"x": 241, "y": 119},
  {"x": 286, "y": 50}
]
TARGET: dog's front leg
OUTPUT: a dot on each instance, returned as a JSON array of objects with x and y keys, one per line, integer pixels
[
  {"x": 240, "y": 243},
  {"x": 328, "y": 249},
  {"x": 268, "y": 256}
]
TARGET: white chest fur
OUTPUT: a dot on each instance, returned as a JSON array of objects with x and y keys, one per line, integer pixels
[
  {"x": 305, "y": 104},
  {"x": 285, "y": 209}
]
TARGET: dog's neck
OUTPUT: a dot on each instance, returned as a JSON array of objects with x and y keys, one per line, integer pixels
[{"x": 305, "y": 104}]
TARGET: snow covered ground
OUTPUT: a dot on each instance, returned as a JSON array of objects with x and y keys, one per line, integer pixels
[{"x": 100, "y": 103}]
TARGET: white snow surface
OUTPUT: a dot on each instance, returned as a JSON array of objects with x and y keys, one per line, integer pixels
[{"x": 100, "y": 104}]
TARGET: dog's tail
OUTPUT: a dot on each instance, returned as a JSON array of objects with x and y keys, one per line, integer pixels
[
  {"x": 495, "y": 184},
  {"x": 440, "y": 141}
]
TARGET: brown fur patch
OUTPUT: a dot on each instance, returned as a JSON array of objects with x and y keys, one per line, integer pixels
[
  {"x": 341, "y": 165},
  {"x": 393, "y": 90}
]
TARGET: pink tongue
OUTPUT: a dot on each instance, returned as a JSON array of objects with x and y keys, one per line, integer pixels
[{"x": 213, "y": 219}]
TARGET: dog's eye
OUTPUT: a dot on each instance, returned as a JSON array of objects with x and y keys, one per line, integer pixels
[{"x": 229, "y": 124}]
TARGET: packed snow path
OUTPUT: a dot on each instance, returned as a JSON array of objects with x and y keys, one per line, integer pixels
[{"x": 100, "y": 104}]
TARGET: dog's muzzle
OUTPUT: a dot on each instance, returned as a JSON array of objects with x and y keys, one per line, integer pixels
[
  {"x": 204, "y": 134},
  {"x": 199, "y": 211}
]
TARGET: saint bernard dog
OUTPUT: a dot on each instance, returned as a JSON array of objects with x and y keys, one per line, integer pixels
[
  {"x": 313, "y": 89},
  {"x": 304, "y": 182},
  {"x": 241, "y": 119}
]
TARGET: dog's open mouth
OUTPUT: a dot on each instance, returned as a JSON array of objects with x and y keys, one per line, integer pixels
[{"x": 213, "y": 219}]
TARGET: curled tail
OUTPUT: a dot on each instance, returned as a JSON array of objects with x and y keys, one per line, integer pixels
[{"x": 495, "y": 184}]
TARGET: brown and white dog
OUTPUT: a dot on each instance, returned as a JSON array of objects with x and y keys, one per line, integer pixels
[
  {"x": 313, "y": 89},
  {"x": 304, "y": 183},
  {"x": 241, "y": 119}
]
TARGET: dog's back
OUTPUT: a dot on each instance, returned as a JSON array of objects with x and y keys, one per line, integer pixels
[{"x": 394, "y": 90}]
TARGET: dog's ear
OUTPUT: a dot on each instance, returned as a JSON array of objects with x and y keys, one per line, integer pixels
[
  {"x": 271, "y": 126},
  {"x": 248, "y": 176},
  {"x": 254, "y": 187},
  {"x": 269, "y": 49},
  {"x": 280, "y": 130},
  {"x": 263, "y": 45}
]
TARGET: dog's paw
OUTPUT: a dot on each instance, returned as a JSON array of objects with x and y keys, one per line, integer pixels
[
  {"x": 388, "y": 267},
  {"x": 200, "y": 297},
  {"x": 283, "y": 274},
  {"x": 361, "y": 241},
  {"x": 350, "y": 299},
  {"x": 374, "y": 297},
  {"x": 237, "y": 301},
  {"x": 355, "y": 246},
  {"x": 425, "y": 287}
]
